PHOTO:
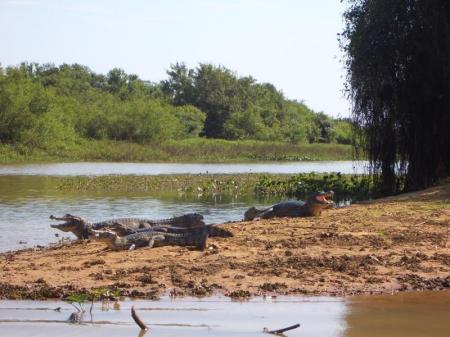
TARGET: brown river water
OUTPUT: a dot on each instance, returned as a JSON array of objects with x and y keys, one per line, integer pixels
[{"x": 401, "y": 315}]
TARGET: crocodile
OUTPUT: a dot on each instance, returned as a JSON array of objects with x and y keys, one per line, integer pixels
[
  {"x": 125, "y": 226},
  {"x": 82, "y": 228},
  {"x": 293, "y": 208},
  {"x": 155, "y": 237}
]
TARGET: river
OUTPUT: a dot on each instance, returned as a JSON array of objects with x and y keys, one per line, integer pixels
[
  {"x": 423, "y": 314},
  {"x": 96, "y": 169}
]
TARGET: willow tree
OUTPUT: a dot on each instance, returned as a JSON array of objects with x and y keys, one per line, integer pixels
[{"x": 398, "y": 78}]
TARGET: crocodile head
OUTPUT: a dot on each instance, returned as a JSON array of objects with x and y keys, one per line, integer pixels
[
  {"x": 319, "y": 201},
  {"x": 251, "y": 213},
  {"x": 109, "y": 237},
  {"x": 104, "y": 236},
  {"x": 74, "y": 224}
]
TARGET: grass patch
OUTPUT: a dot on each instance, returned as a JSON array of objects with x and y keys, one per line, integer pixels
[{"x": 188, "y": 150}]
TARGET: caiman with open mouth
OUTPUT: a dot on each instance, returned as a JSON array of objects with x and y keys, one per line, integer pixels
[{"x": 313, "y": 206}]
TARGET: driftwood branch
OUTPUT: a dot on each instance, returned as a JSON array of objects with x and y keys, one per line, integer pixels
[
  {"x": 280, "y": 331},
  {"x": 76, "y": 317},
  {"x": 138, "y": 320}
]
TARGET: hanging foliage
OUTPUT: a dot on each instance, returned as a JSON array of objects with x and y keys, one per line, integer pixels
[{"x": 398, "y": 78}]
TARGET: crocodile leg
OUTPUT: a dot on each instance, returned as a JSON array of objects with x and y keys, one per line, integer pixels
[
  {"x": 253, "y": 213},
  {"x": 267, "y": 213},
  {"x": 155, "y": 238}
]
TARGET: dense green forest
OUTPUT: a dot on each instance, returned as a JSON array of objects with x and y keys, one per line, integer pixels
[{"x": 43, "y": 106}]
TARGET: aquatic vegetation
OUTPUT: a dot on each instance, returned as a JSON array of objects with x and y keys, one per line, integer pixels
[
  {"x": 358, "y": 187},
  {"x": 300, "y": 185},
  {"x": 188, "y": 183}
]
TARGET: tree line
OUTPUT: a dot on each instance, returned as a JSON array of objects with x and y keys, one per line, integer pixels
[{"x": 41, "y": 103}]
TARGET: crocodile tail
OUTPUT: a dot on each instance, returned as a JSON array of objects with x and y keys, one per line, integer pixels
[
  {"x": 251, "y": 213},
  {"x": 190, "y": 220},
  {"x": 202, "y": 239},
  {"x": 215, "y": 231}
]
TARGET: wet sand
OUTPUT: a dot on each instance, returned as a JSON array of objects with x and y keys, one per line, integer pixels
[{"x": 389, "y": 245}]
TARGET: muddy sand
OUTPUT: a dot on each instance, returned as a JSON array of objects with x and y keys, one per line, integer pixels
[{"x": 388, "y": 245}]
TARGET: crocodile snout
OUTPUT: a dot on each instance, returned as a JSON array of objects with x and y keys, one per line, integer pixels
[{"x": 63, "y": 227}]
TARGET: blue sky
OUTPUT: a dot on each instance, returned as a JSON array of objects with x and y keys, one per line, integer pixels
[{"x": 290, "y": 43}]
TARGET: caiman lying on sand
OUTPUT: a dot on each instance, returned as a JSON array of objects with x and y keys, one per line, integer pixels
[
  {"x": 313, "y": 206},
  {"x": 155, "y": 237},
  {"x": 82, "y": 228}
]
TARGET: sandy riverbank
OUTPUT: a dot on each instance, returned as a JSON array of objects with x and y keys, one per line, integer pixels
[{"x": 392, "y": 244}]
